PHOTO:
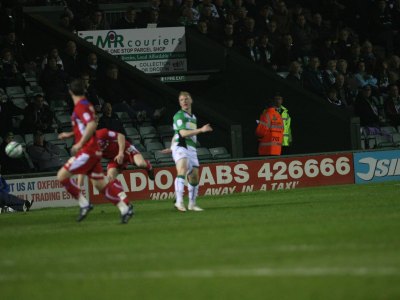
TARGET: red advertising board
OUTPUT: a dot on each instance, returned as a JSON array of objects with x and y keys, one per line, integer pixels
[{"x": 244, "y": 176}]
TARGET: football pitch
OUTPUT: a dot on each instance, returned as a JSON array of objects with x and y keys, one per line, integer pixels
[{"x": 340, "y": 242}]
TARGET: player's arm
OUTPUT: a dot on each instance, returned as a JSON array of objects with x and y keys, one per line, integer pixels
[
  {"x": 121, "y": 148},
  {"x": 65, "y": 135},
  {"x": 90, "y": 130},
  {"x": 188, "y": 133}
]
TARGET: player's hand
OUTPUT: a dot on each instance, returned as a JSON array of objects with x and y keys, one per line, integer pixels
[
  {"x": 206, "y": 128},
  {"x": 63, "y": 135},
  {"x": 119, "y": 159},
  {"x": 166, "y": 151},
  {"x": 75, "y": 148}
]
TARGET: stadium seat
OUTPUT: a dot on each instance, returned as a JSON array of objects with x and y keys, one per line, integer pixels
[
  {"x": 203, "y": 154},
  {"x": 63, "y": 120},
  {"x": 396, "y": 139},
  {"x": 219, "y": 153},
  {"x": 51, "y": 136},
  {"x": 124, "y": 117},
  {"x": 150, "y": 140},
  {"x": 140, "y": 147},
  {"x": 165, "y": 131},
  {"x": 149, "y": 156},
  {"x": 163, "y": 157},
  {"x": 132, "y": 133},
  {"x": 28, "y": 138},
  {"x": 16, "y": 121},
  {"x": 15, "y": 91},
  {"x": 19, "y": 102},
  {"x": 384, "y": 141},
  {"x": 154, "y": 146},
  {"x": 388, "y": 130},
  {"x": 19, "y": 139},
  {"x": 148, "y": 132},
  {"x": 167, "y": 144}
]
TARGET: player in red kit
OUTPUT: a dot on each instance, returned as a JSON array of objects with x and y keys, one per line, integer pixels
[
  {"x": 87, "y": 156},
  {"x": 120, "y": 153}
]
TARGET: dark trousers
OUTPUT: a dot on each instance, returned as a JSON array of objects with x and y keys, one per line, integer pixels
[{"x": 11, "y": 201}]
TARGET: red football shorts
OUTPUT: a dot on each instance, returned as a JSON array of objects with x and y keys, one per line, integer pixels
[{"x": 87, "y": 164}]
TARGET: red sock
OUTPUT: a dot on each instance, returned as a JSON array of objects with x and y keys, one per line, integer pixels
[
  {"x": 71, "y": 187},
  {"x": 112, "y": 191},
  {"x": 148, "y": 165}
]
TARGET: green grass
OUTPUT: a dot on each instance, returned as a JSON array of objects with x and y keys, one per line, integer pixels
[{"x": 340, "y": 242}]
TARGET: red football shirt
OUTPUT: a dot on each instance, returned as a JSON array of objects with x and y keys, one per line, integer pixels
[
  {"x": 108, "y": 142},
  {"x": 83, "y": 114}
]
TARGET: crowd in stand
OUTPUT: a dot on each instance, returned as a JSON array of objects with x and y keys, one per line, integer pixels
[{"x": 344, "y": 51}]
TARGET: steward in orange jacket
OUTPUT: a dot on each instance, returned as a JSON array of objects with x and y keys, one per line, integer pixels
[{"x": 270, "y": 132}]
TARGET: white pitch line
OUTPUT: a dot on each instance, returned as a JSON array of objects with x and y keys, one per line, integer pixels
[{"x": 211, "y": 273}]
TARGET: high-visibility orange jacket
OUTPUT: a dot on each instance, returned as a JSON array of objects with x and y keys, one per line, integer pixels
[{"x": 270, "y": 132}]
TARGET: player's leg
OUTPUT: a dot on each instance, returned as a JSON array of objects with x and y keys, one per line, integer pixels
[
  {"x": 14, "y": 202},
  {"x": 140, "y": 162},
  {"x": 112, "y": 173},
  {"x": 193, "y": 189},
  {"x": 77, "y": 165},
  {"x": 114, "y": 193},
  {"x": 181, "y": 170}
]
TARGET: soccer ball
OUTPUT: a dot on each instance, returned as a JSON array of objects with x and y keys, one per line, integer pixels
[{"x": 14, "y": 149}]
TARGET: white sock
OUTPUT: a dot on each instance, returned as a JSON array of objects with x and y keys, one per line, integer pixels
[
  {"x": 193, "y": 192},
  {"x": 123, "y": 208},
  {"x": 83, "y": 202},
  {"x": 179, "y": 190}
]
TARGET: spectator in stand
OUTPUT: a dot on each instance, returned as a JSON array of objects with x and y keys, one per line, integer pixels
[
  {"x": 343, "y": 44},
  {"x": 91, "y": 66},
  {"x": 53, "y": 53},
  {"x": 9, "y": 71},
  {"x": 342, "y": 91},
  {"x": 12, "y": 165},
  {"x": 341, "y": 67},
  {"x": 392, "y": 105},
  {"x": 312, "y": 77},
  {"x": 169, "y": 11},
  {"x": 54, "y": 82},
  {"x": 354, "y": 57},
  {"x": 250, "y": 50},
  {"x": 329, "y": 74},
  {"x": 326, "y": 51},
  {"x": 332, "y": 97},
  {"x": 263, "y": 18},
  {"x": 274, "y": 36},
  {"x": 281, "y": 16},
  {"x": 110, "y": 120},
  {"x": 202, "y": 27},
  {"x": 211, "y": 6},
  {"x": 302, "y": 36},
  {"x": 12, "y": 42},
  {"x": 194, "y": 16},
  {"x": 294, "y": 75},
  {"x": 265, "y": 50},
  {"x": 222, "y": 10},
  {"x": 38, "y": 116},
  {"x": 66, "y": 22},
  {"x": 365, "y": 78},
  {"x": 382, "y": 74},
  {"x": 320, "y": 31},
  {"x": 382, "y": 29},
  {"x": 367, "y": 55},
  {"x": 128, "y": 21},
  {"x": 91, "y": 92},
  {"x": 9, "y": 202},
  {"x": 96, "y": 21},
  {"x": 284, "y": 54},
  {"x": 71, "y": 59},
  {"x": 366, "y": 107},
  {"x": 45, "y": 156},
  {"x": 187, "y": 18},
  {"x": 113, "y": 91}
]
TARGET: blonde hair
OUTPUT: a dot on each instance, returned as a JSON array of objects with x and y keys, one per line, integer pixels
[{"x": 184, "y": 93}]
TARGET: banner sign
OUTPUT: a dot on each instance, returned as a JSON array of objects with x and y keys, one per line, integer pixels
[
  {"x": 241, "y": 177},
  {"x": 377, "y": 166},
  {"x": 45, "y": 191},
  {"x": 151, "y": 50}
]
